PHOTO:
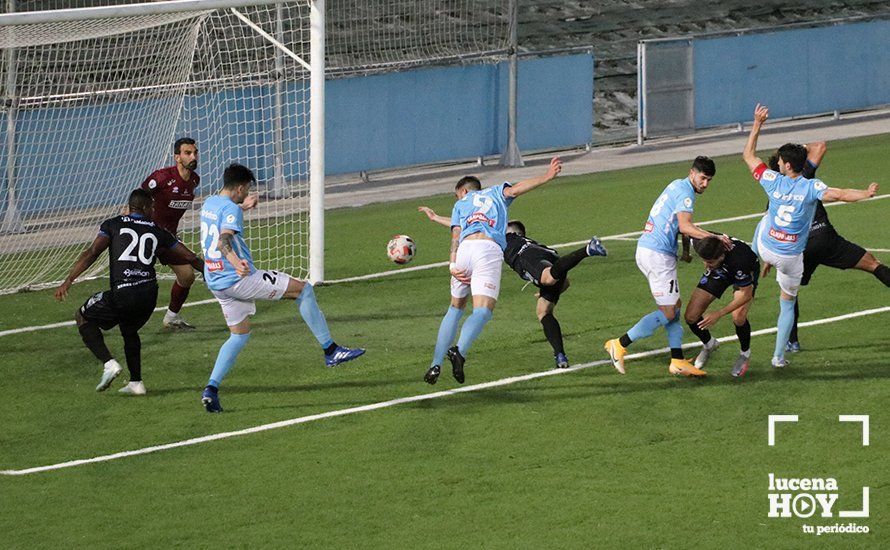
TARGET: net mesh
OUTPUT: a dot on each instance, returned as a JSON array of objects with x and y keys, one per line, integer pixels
[{"x": 92, "y": 107}]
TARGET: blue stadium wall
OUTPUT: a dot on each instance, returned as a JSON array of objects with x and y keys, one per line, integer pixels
[
  {"x": 373, "y": 122},
  {"x": 794, "y": 72}
]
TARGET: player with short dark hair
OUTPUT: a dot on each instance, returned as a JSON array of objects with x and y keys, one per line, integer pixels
[
  {"x": 656, "y": 257},
  {"x": 478, "y": 239},
  {"x": 737, "y": 268},
  {"x": 825, "y": 246},
  {"x": 132, "y": 240},
  {"x": 781, "y": 236},
  {"x": 237, "y": 284},
  {"x": 543, "y": 267},
  {"x": 173, "y": 189}
]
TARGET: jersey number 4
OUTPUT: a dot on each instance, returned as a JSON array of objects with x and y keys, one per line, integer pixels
[{"x": 145, "y": 247}]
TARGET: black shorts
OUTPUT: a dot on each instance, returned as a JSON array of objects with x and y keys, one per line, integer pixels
[
  {"x": 531, "y": 264},
  {"x": 128, "y": 307},
  {"x": 717, "y": 286},
  {"x": 829, "y": 248},
  {"x": 553, "y": 292}
]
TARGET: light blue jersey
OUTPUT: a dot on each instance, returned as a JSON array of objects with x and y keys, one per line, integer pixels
[
  {"x": 792, "y": 204},
  {"x": 662, "y": 227},
  {"x": 483, "y": 211},
  {"x": 217, "y": 214}
]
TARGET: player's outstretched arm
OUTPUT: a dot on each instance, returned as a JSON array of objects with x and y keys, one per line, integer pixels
[
  {"x": 815, "y": 152},
  {"x": 685, "y": 255},
  {"x": 87, "y": 258},
  {"x": 761, "y": 113},
  {"x": 457, "y": 273},
  {"x": 525, "y": 186},
  {"x": 226, "y": 236},
  {"x": 181, "y": 252},
  {"x": 431, "y": 214},
  {"x": 833, "y": 194}
]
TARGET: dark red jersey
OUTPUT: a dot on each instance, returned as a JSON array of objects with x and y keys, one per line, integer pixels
[{"x": 172, "y": 195}]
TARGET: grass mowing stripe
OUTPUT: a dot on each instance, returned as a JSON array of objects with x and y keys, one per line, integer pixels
[
  {"x": 620, "y": 237},
  {"x": 402, "y": 400}
]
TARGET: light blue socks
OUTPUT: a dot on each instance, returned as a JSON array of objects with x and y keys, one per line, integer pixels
[
  {"x": 447, "y": 331},
  {"x": 226, "y": 357},
  {"x": 647, "y": 326},
  {"x": 313, "y": 316},
  {"x": 675, "y": 332},
  {"x": 471, "y": 329},
  {"x": 783, "y": 327}
]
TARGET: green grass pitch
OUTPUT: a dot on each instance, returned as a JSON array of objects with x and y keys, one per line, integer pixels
[{"x": 583, "y": 459}]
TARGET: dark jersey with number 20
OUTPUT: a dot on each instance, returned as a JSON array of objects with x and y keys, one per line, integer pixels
[{"x": 134, "y": 244}]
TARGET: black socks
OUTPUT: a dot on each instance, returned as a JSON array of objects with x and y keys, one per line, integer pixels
[
  {"x": 561, "y": 268},
  {"x": 703, "y": 334},
  {"x": 553, "y": 332},
  {"x": 92, "y": 337}
]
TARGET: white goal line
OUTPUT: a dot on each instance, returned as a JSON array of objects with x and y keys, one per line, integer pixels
[
  {"x": 399, "y": 401},
  {"x": 392, "y": 272}
]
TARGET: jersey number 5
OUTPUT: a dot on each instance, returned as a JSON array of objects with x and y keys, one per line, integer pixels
[
  {"x": 783, "y": 215},
  {"x": 145, "y": 247}
]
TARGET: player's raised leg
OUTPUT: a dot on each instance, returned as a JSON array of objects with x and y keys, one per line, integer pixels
[{"x": 304, "y": 293}]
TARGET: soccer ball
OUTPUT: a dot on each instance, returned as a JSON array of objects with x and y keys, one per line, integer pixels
[{"x": 401, "y": 249}]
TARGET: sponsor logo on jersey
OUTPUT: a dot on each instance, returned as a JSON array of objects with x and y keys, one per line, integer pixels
[
  {"x": 789, "y": 197},
  {"x": 128, "y": 219},
  {"x": 214, "y": 266},
  {"x": 687, "y": 202},
  {"x": 230, "y": 218},
  {"x": 819, "y": 185},
  {"x": 649, "y": 227},
  {"x": 769, "y": 175},
  {"x": 136, "y": 273},
  {"x": 180, "y": 205},
  {"x": 152, "y": 184},
  {"x": 209, "y": 214},
  {"x": 176, "y": 189},
  {"x": 782, "y": 236},
  {"x": 477, "y": 217}
]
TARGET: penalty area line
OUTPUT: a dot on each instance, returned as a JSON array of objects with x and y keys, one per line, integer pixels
[{"x": 399, "y": 401}]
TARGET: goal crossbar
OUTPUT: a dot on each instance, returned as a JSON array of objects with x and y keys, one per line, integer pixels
[{"x": 125, "y": 10}]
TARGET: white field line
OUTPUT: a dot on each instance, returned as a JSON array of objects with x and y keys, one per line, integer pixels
[
  {"x": 878, "y": 249},
  {"x": 400, "y": 401},
  {"x": 620, "y": 237}
]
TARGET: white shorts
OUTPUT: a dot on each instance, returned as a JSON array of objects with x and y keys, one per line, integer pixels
[
  {"x": 661, "y": 271},
  {"x": 789, "y": 269},
  {"x": 483, "y": 260},
  {"x": 237, "y": 301}
]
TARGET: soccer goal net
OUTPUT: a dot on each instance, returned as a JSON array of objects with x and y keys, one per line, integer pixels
[{"x": 96, "y": 92}]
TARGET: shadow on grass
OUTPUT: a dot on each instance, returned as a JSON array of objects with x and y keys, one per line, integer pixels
[{"x": 286, "y": 388}]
